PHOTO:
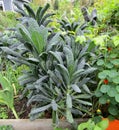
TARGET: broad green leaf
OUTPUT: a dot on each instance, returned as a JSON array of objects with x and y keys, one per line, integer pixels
[
  {"x": 6, "y": 94},
  {"x": 113, "y": 73},
  {"x": 98, "y": 93},
  {"x": 105, "y": 88},
  {"x": 114, "y": 55},
  {"x": 97, "y": 128},
  {"x": 109, "y": 65},
  {"x": 24, "y": 33},
  {"x": 117, "y": 88},
  {"x": 117, "y": 97},
  {"x": 38, "y": 41},
  {"x": 115, "y": 61},
  {"x": 116, "y": 40},
  {"x": 103, "y": 124},
  {"x": 83, "y": 126},
  {"x": 113, "y": 110},
  {"x": 103, "y": 74},
  {"x": 112, "y": 92},
  {"x": 116, "y": 80},
  {"x": 100, "y": 62},
  {"x": 103, "y": 99}
]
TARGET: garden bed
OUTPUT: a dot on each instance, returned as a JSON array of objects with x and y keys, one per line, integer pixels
[{"x": 39, "y": 124}]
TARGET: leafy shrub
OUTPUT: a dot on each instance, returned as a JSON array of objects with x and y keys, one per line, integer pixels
[
  {"x": 107, "y": 90},
  {"x": 114, "y": 17},
  {"x": 7, "y": 20},
  {"x": 59, "y": 75}
]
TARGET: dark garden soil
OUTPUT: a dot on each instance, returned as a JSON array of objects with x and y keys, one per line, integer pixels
[{"x": 21, "y": 108}]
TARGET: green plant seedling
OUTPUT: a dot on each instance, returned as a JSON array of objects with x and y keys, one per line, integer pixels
[
  {"x": 6, "y": 94},
  {"x": 90, "y": 125},
  {"x": 6, "y": 127}
]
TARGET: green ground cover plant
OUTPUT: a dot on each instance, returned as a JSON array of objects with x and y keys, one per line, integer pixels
[
  {"x": 7, "y": 20},
  {"x": 6, "y": 127},
  {"x": 107, "y": 90}
]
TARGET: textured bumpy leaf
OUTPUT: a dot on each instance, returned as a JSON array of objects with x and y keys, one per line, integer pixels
[
  {"x": 69, "y": 116},
  {"x": 24, "y": 33},
  {"x": 38, "y": 98},
  {"x": 40, "y": 109},
  {"x": 76, "y": 88},
  {"x": 54, "y": 41},
  {"x": 69, "y": 59},
  {"x": 45, "y": 17},
  {"x": 11, "y": 52},
  {"x": 29, "y": 10},
  {"x": 19, "y": 9},
  {"x": 42, "y": 12},
  {"x": 64, "y": 72},
  {"x": 57, "y": 56},
  {"x": 85, "y": 102},
  {"x": 89, "y": 71},
  {"x": 54, "y": 105}
]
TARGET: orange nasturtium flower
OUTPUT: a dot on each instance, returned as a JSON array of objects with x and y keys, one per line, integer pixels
[
  {"x": 109, "y": 48},
  {"x": 105, "y": 81}
]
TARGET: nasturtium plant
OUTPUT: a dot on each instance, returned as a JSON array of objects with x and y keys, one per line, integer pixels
[{"x": 108, "y": 88}]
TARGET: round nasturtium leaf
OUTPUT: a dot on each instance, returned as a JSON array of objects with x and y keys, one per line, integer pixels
[
  {"x": 112, "y": 92},
  {"x": 109, "y": 65},
  {"x": 113, "y": 110},
  {"x": 113, "y": 73},
  {"x": 98, "y": 93},
  {"x": 114, "y": 55},
  {"x": 117, "y": 97},
  {"x": 115, "y": 61},
  {"x": 100, "y": 62},
  {"x": 117, "y": 88},
  {"x": 104, "y": 88},
  {"x": 103, "y": 99},
  {"x": 103, "y": 74},
  {"x": 116, "y": 80}
]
